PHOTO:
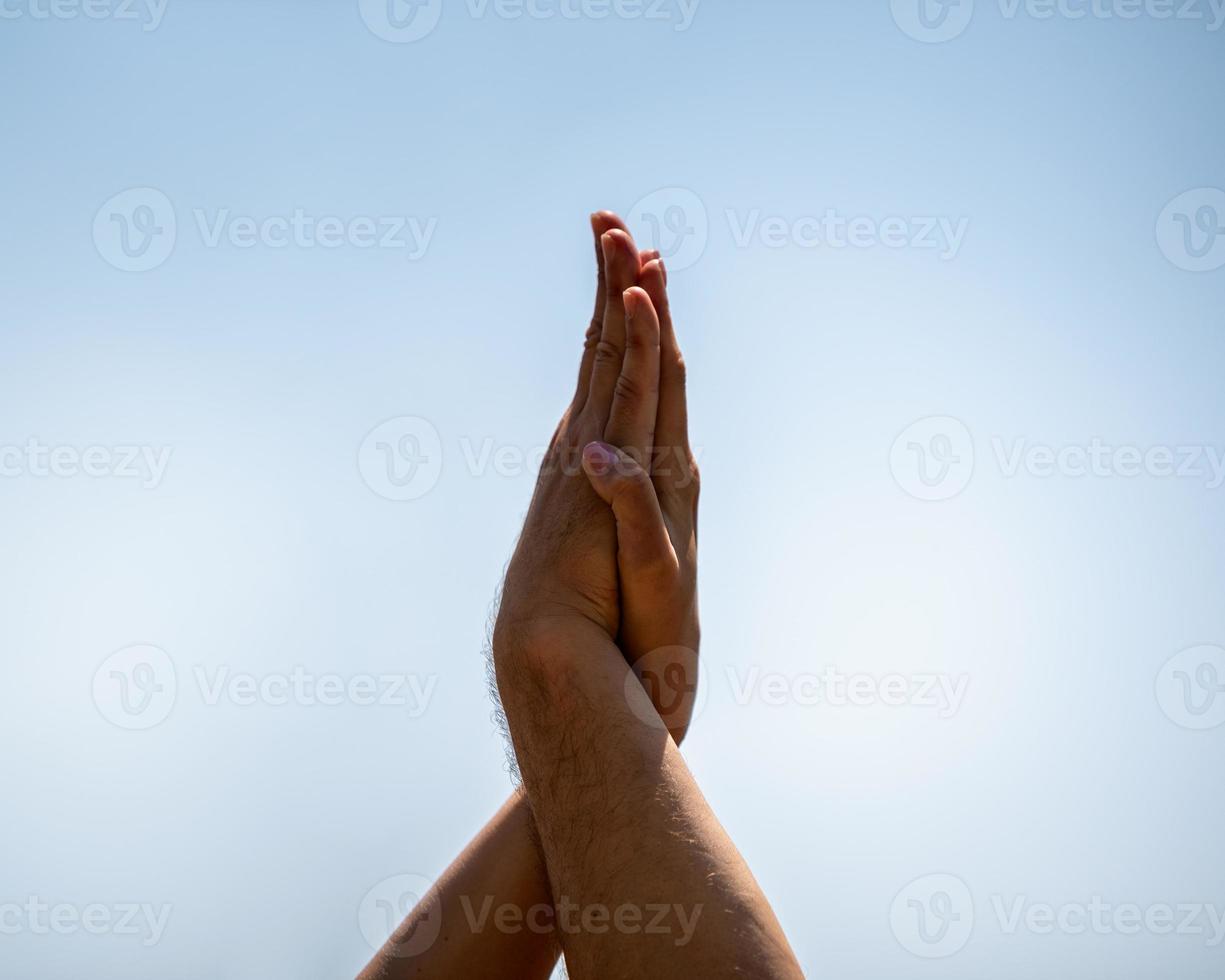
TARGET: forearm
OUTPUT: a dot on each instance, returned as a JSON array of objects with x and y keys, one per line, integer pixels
[
  {"x": 644, "y": 878},
  {"x": 494, "y": 908}
]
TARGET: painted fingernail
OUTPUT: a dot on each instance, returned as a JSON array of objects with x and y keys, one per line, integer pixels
[{"x": 599, "y": 457}]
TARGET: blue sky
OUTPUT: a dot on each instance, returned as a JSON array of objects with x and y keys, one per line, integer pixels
[{"x": 950, "y": 289}]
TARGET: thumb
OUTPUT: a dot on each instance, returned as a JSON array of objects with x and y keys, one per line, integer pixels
[{"x": 642, "y": 538}]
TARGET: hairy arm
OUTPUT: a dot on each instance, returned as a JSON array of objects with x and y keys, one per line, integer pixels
[{"x": 645, "y": 880}]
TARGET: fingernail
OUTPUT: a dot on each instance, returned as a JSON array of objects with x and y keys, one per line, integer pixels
[
  {"x": 629, "y": 307},
  {"x": 664, "y": 269},
  {"x": 599, "y": 457},
  {"x": 607, "y": 243}
]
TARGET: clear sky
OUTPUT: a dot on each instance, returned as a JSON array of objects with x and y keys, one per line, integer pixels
[{"x": 951, "y": 285}]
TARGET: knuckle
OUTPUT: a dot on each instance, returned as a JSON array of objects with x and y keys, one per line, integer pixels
[
  {"x": 592, "y": 338},
  {"x": 608, "y": 354},
  {"x": 674, "y": 369},
  {"x": 629, "y": 388}
]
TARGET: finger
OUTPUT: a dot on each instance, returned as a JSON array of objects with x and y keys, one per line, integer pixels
[
  {"x": 643, "y": 546},
  {"x": 647, "y": 255},
  {"x": 601, "y": 222},
  {"x": 621, "y": 272},
  {"x": 631, "y": 420},
  {"x": 672, "y": 419}
]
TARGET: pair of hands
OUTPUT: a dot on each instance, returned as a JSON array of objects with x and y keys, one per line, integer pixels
[{"x": 610, "y": 540}]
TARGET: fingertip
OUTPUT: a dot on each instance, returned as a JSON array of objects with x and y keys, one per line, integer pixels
[
  {"x": 652, "y": 279},
  {"x": 599, "y": 458}
]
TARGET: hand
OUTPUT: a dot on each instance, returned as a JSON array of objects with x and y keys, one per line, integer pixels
[
  {"x": 630, "y": 571},
  {"x": 656, "y": 514}
]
